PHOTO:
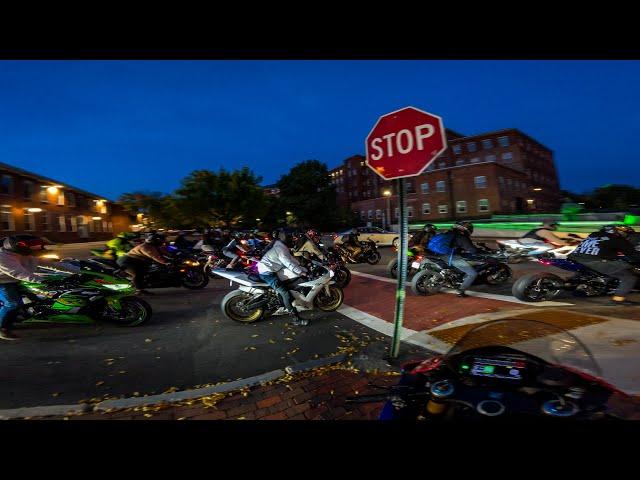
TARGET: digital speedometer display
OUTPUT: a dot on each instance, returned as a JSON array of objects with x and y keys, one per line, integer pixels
[{"x": 499, "y": 368}]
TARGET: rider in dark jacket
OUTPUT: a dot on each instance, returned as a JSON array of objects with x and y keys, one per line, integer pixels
[
  {"x": 600, "y": 252},
  {"x": 462, "y": 244},
  {"x": 421, "y": 239}
]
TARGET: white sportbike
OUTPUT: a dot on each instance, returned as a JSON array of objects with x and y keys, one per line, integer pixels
[
  {"x": 254, "y": 299},
  {"x": 524, "y": 249}
]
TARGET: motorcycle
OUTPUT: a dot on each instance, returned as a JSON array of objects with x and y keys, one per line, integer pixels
[
  {"x": 506, "y": 370},
  {"x": 369, "y": 253},
  {"x": 524, "y": 249},
  {"x": 333, "y": 261},
  {"x": 413, "y": 263},
  {"x": 543, "y": 286},
  {"x": 254, "y": 299},
  {"x": 435, "y": 273},
  {"x": 82, "y": 298}
]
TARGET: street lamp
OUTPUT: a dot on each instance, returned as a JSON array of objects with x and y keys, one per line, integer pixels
[{"x": 387, "y": 193}]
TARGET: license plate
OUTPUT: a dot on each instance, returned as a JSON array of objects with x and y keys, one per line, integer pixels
[{"x": 415, "y": 265}]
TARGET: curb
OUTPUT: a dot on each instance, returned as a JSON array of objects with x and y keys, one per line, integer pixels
[{"x": 63, "y": 410}]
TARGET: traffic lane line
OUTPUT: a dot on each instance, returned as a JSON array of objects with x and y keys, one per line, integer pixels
[
  {"x": 377, "y": 298},
  {"x": 472, "y": 293}
]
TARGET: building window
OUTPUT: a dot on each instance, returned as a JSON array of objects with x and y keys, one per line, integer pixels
[
  {"x": 370, "y": 214},
  {"x": 397, "y": 213},
  {"x": 501, "y": 182},
  {"x": 61, "y": 198},
  {"x": 363, "y": 214},
  {"x": 27, "y": 189},
  {"x": 490, "y": 158},
  {"x": 426, "y": 209},
  {"x": 481, "y": 181},
  {"x": 440, "y": 186},
  {"x": 410, "y": 187},
  {"x": 475, "y": 159},
  {"x": 457, "y": 149},
  {"x": 483, "y": 205},
  {"x": 461, "y": 206},
  {"x": 110, "y": 225},
  {"x": 6, "y": 219},
  {"x": 73, "y": 221},
  {"x": 46, "y": 225},
  {"x": 504, "y": 141},
  {"x": 44, "y": 195},
  {"x": 70, "y": 199},
  {"x": 443, "y": 208},
  {"x": 471, "y": 146},
  {"x": 410, "y": 212},
  {"x": 487, "y": 143},
  {"x": 460, "y": 161},
  {"x": 442, "y": 165},
  {"x": 507, "y": 157},
  {"x": 431, "y": 167},
  {"x": 6, "y": 185},
  {"x": 424, "y": 187},
  {"x": 378, "y": 214},
  {"x": 29, "y": 221},
  {"x": 62, "y": 224}
]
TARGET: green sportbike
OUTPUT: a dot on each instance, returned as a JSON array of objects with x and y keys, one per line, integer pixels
[{"x": 82, "y": 298}]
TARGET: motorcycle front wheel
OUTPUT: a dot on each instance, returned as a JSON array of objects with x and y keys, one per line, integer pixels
[
  {"x": 133, "y": 312},
  {"x": 426, "y": 282},
  {"x": 373, "y": 258},
  {"x": 500, "y": 275},
  {"x": 329, "y": 302},
  {"x": 233, "y": 307},
  {"x": 537, "y": 287},
  {"x": 195, "y": 280}
]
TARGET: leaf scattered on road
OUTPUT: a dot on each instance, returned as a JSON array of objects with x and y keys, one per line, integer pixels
[
  {"x": 148, "y": 340},
  {"x": 101, "y": 382}
]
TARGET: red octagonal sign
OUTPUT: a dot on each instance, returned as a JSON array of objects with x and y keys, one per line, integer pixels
[{"x": 403, "y": 143}]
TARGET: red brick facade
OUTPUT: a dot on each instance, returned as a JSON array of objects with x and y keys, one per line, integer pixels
[
  {"x": 497, "y": 172},
  {"x": 33, "y": 204}
]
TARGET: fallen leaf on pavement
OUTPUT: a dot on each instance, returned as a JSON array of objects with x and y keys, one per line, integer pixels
[
  {"x": 147, "y": 340},
  {"x": 99, "y": 383}
]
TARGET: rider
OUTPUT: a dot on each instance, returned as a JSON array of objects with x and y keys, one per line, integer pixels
[
  {"x": 353, "y": 245},
  {"x": 121, "y": 244},
  {"x": 277, "y": 257},
  {"x": 181, "y": 242},
  {"x": 599, "y": 252},
  {"x": 229, "y": 250},
  {"x": 139, "y": 259},
  {"x": 421, "y": 239},
  {"x": 461, "y": 243},
  {"x": 308, "y": 242},
  {"x": 18, "y": 264},
  {"x": 545, "y": 234}
]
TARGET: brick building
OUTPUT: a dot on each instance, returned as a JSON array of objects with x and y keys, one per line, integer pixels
[
  {"x": 31, "y": 203},
  {"x": 497, "y": 172}
]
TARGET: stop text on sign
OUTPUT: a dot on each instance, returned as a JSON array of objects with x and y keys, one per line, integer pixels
[{"x": 405, "y": 140}]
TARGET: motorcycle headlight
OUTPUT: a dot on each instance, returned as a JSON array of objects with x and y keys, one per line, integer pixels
[
  {"x": 193, "y": 263},
  {"x": 51, "y": 256},
  {"x": 116, "y": 286}
]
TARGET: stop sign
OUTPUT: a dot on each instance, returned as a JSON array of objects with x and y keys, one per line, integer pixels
[{"x": 403, "y": 143}]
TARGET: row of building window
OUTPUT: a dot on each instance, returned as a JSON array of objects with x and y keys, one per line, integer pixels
[
  {"x": 461, "y": 207},
  {"x": 487, "y": 144},
  {"x": 64, "y": 223}
]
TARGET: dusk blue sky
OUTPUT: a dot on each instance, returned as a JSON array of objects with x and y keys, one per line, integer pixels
[{"x": 116, "y": 126}]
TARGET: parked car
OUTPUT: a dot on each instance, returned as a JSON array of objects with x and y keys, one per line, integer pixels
[{"x": 378, "y": 235}]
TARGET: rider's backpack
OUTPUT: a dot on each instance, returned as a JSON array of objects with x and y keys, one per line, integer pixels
[{"x": 442, "y": 243}]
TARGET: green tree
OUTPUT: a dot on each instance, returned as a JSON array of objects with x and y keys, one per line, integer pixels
[
  {"x": 157, "y": 208},
  {"x": 229, "y": 199}
]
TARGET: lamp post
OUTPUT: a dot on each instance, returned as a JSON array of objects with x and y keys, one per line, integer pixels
[{"x": 387, "y": 193}]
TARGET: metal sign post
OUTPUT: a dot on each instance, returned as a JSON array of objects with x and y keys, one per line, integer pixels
[{"x": 403, "y": 247}]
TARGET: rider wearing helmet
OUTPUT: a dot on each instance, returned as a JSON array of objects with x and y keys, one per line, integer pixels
[
  {"x": 139, "y": 259},
  {"x": 121, "y": 244},
  {"x": 308, "y": 242},
  {"x": 545, "y": 234},
  {"x": 600, "y": 252},
  {"x": 421, "y": 239},
  {"x": 275, "y": 258},
  {"x": 17, "y": 264},
  {"x": 462, "y": 244},
  {"x": 352, "y": 244},
  {"x": 229, "y": 250}
]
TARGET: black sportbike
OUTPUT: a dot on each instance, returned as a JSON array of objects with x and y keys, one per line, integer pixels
[
  {"x": 435, "y": 273},
  {"x": 368, "y": 254}
]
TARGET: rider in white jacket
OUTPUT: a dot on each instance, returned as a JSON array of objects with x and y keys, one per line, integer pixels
[{"x": 277, "y": 258}]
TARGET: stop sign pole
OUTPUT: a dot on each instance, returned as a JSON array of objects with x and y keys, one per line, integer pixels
[{"x": 403, "y": 144}]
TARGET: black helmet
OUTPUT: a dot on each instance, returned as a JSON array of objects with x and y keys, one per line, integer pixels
[
  {"x": 154, "y": 239},
  {"x": 429, "y": 228},
  {"x": 282, "y": 235},
  {"x": 616, "y": 230},
  {"x": 23, "y": 244},
  {"x": 464, "y": 227}
]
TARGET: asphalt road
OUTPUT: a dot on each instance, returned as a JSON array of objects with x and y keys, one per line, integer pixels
[{"x": 187, "y": 343}]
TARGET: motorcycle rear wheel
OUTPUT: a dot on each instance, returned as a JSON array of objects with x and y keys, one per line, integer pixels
[
  {"x": 426, "y": 282},
  {"x": 329, "y": 302},
  {"x": 502, "y": 275},
  {"x": 342, "y": 277},
  {"x": 232, "y": 308}
]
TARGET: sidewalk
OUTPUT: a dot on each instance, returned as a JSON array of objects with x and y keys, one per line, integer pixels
[{"x": 314, "y": 395}]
